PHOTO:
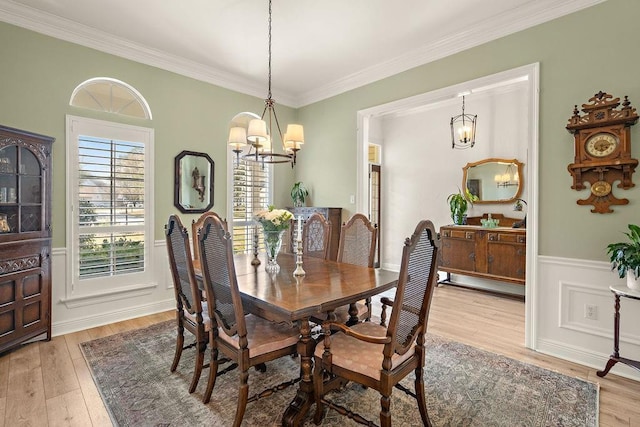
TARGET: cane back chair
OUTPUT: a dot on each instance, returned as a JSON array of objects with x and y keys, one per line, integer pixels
[
  {"x": 377, "y": 356},
  {"x": 189, "y": 306},
  {"x": 315, "y": 236},
  {"x": 246, "y": 339},
  {"x": 358, "y": 238}
]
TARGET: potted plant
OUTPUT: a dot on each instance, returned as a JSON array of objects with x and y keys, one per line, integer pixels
[
  {"x": 625, "y": 257},
  {"x": 459, "y": 203},
  {"x": 298, "y": 194}
]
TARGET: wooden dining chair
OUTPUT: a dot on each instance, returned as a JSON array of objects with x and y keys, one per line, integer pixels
[
  {"x": 358, "y": 238},
  {"x": 315, "y": 236},
  {"x": 247, "y": 339},
  {"x": 189, "y": 305},
  {"x": 196, "y": 225},
  {"x": 377, "y": 356}
]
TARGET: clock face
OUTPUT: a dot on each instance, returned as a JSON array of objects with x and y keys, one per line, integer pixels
[{"x": 601, "y": 144}]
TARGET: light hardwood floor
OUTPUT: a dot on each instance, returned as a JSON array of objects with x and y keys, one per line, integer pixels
[{"x": 49, "y": 384}]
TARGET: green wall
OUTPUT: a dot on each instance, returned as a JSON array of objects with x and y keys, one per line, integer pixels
[
  {"x": 38, "y": 75},
  {"x": 579, "y": 55}
]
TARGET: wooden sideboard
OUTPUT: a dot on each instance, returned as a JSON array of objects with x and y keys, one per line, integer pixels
[
  {"x": 333, "y": 215},
  {"x": 491, "y": 253}
]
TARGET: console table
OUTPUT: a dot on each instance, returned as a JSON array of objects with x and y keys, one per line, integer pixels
[
  {"x": 491, "y": 253},
  {"x": 619, "y": 291}
]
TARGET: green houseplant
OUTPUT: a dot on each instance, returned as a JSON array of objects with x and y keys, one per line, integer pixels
[
  {"x": 625, "y": 257},
  {"x": 298, "y": 194},
  {"x": 458, "y": 204}
]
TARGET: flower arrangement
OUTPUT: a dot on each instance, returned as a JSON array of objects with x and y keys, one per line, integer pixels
[{"x": 274, "y": 219}]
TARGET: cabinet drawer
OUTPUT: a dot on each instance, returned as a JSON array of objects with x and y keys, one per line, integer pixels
[
  {"x": 461, "y": 234},
  {"x": 506, "y": 237}
]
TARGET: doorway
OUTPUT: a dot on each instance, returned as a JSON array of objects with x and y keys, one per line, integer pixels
[{"x": 529, "y": 77}]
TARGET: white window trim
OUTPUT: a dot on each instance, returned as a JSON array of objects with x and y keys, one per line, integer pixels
[
  {"x": 231, "y": 160},
  {"x": 92, "y": 290}
]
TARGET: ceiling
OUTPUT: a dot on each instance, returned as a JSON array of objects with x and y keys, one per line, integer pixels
[{"x": 319, "y": 48}]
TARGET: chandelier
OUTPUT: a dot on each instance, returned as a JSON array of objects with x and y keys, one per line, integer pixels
[
  {"x": 508, "y": 178},
  {"x": 259, "y": 133},
  {"x": 463, "y": 130}
]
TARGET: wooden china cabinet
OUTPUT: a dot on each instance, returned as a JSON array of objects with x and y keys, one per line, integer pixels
[{"x": 25, "y": 237}]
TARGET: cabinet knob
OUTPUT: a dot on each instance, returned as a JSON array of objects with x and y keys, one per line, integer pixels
[
  {"x": 490, "y": 258},
  {"x": 472, "y": 256}
]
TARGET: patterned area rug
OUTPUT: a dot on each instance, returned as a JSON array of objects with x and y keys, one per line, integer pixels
[{"x": 465, "y": 386}]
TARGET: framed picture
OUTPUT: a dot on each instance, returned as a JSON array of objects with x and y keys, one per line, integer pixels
[{"x": 473, "y": 185}]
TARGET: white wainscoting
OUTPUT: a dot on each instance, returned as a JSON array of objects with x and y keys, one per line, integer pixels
[
  {"x": 565, "y": 287},
  {"x": 156, "y": 297}
]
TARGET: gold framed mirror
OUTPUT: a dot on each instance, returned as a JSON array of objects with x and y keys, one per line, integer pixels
[
  {"x": 193, "y": 188},
  {"x": 494, "y": 180}
]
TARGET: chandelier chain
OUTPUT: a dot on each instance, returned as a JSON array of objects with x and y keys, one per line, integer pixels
[{"x": 269, "y": 94}]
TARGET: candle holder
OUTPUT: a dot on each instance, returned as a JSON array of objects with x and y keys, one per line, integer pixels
[
  {"x": 299, "y": 271},
  {"x": 255, "y": 260}
]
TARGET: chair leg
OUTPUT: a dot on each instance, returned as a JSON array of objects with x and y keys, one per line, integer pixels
[
  {"x": 318, "y": 391},
  {"x": 385, "y": 415},
  {"x": 200, "y": 347},
  {"x": 179, "y": 345},
  {"x": 420, "y": 396},
  {"x": 243, "y": 396},
  {"x": 213, "y": 373}
]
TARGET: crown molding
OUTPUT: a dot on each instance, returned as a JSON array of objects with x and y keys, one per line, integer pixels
[
  {"x": 67, "y": 30},
  {"x": 504, "y": 24},
  {"x": 510, "y": 22}
]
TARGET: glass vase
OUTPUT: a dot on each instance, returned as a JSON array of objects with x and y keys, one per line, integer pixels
[{"x": 272, "y": 244}]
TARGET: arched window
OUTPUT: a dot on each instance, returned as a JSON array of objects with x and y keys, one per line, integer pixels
[{"x": 112, "y": 96}]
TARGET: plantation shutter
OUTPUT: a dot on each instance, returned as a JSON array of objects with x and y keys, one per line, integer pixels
[
  {"x": 110, "y": 211},
  {"x": 251, "y": 184}
]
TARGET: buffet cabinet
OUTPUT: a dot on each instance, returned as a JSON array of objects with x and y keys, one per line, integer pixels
[
  {"x": 490, "y": 253},
  {"x": 333, "y": 215},
  {"x": 25, "y": 237}
]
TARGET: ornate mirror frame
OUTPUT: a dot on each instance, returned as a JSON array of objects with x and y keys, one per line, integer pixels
[
  {"x": 193, "y": 186},
  {"x": 487, "y": 180}
]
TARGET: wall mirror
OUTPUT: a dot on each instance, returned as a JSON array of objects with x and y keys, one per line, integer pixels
[
  {"x": 193, "y": 188},
  {"x": 493, "y": 180}
]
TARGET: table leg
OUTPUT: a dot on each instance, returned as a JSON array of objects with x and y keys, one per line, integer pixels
[
  {"x": 300, "y": 404},
  {"x": 615, "y": 357}
]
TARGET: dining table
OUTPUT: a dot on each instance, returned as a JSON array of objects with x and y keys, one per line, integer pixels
[{"x": 283, "y": 297}]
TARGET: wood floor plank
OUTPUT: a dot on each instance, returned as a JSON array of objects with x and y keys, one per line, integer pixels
[
  {"x": 93, "y": 401},
  {"x": 68, "y": 410},
  {"x": 26, "y": 404},
  {"x": 4, "y": 375},
  {"x": 100, "y": 332},
  {"x": 58, "y": 373},
  {"x": 73, "y": 340}
]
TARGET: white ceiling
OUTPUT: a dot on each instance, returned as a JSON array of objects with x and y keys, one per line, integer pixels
[{"x": 319, "y": 48}]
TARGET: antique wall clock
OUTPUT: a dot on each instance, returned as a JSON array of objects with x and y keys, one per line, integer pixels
[{"x": 602, "y": 148}]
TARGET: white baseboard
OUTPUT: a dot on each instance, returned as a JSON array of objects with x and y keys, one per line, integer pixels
[{"x": 100, "y": 319}]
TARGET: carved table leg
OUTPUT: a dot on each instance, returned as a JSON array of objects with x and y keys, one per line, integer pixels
[
  {"x": 300, "y": 404},
  {"x": 615, "y": 357}
]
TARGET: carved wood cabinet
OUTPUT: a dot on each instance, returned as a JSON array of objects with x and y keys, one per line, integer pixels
[
  {"x": 333, "y": 215},
  {"x": 490, "y": 253},
  {"x": 25, "y": 237}
]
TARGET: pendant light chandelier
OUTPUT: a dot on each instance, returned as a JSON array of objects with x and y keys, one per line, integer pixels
[
  {"x": 463, "y": 130},
  {"x": 259, "y": 133}
]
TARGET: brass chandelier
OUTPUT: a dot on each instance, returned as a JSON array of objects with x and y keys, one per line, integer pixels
[{"x": 259, "y": 136}]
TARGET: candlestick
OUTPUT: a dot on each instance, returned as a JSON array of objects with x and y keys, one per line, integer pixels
[
  {"x": 299, "y": 271},
  {"x": 255, "y": 260}
]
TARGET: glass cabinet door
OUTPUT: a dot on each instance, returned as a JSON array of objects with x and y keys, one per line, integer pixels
[{"x": 21, "y": 201}]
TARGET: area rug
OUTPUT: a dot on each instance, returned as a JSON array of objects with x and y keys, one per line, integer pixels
[{"x": 465, "y": 386}]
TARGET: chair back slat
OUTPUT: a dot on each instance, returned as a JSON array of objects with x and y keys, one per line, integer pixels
[
  {"x": 196, "y": 225},
  {"x": 180, "y": 263},
  {"x": 415, "y": 288},
  {"x": 315, "y": 236},
  {"x": 358, "y": 239},
  {"x": 219, "y": 277}
]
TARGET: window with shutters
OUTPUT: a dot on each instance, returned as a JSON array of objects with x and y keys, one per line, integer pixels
[
  {"x": 251, "y": 193},
  {"x": 110, "y": 172}
]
